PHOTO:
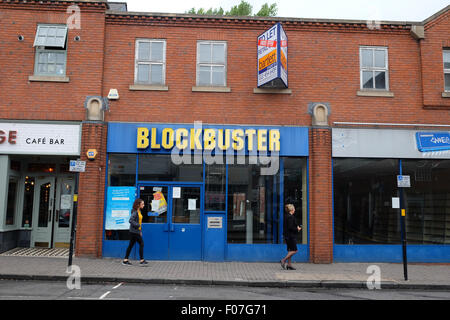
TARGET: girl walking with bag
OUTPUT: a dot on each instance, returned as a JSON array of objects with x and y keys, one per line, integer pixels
[{"x": 136, "y": 232}]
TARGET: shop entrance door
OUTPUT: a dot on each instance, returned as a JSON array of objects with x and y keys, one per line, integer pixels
[
  {"x": 63, "y": 213},
  {"x": 172, "y": 221},
  {"x": 44, "y": 193}
]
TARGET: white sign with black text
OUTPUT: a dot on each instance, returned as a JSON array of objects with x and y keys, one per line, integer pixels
[{"x": 40, "y": 138}]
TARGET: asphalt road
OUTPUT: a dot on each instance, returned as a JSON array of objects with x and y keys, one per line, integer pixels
[{"x": 58, "y": 290}]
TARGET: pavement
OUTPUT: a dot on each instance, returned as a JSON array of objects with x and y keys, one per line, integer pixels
[{"x": 306, "y": 275}]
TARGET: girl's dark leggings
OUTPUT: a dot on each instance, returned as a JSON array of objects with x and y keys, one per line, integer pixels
[{"x": 135, "y": 238}]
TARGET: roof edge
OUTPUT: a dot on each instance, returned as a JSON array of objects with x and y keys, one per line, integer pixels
[
  {"x": 436, "y": 15},
  {"x": 253, "y": 18}
]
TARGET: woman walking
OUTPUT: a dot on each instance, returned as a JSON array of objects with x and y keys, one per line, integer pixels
[
  {"x": 290, "y": 235},
  {"x": 136, "y": 232}
]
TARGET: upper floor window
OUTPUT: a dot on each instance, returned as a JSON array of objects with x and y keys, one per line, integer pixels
[
  {"x": 374, "y": 68},
  {"x": 447, "y": 69},
  {"x": 51, "y": 50},
  {"x": 211, "y": 63},
  {"x": 150, "y": 66}
]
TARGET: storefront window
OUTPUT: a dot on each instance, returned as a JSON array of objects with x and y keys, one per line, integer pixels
[
  {"x": 28, "y": 198},
  {"x": 253, "y": 213},
  {"x": 121, "y": 170},
  {"x": 427, "y": 201},
  {"x": 295, "y": 192},
  {"x": 161, "y": 168},
  {"x": 215, "y": 187},
  {"x": 363, "y": 191},
  {"x": 12, "y": 197}
]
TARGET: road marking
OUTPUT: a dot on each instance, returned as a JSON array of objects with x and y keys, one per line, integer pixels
[
  {"x": 104, "y": 295},
  {"x": 118, "y": 285}
]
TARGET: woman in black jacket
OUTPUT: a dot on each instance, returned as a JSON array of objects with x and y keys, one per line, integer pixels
[
  {"x": 290, "y": 235},
  {"x": 136, "y": 232}
]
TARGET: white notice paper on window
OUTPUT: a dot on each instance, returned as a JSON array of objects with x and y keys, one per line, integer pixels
[
  {"x": 176, "y": 193},
  {"x": 395, "y": 203},
  {"x": 155, "y": 205},
  {"x": 192, "y": 204}
]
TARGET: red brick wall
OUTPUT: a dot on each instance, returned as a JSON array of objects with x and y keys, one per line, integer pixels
[
  {"x": 436, "y": 39},
  {"x": 91, "y": 192},
  {"x": 321, "y": 206},
  {"x": 22, "y": 99}
]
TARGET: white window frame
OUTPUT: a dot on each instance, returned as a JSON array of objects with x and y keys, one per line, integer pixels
[
  {"x": 446, "y": 70},
  {"x": 211, "y": 43},
  {"x": 373, "y": 69},
  {"x": 149, "y": 62},
  {"x": 45, "y": 49}
]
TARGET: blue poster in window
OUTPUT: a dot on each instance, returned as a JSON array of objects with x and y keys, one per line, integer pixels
[
  {"x": 433, "y": 141},
  {"x": 118, "y": 207}
]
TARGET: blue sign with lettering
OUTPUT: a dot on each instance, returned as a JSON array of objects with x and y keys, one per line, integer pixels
[{"x": 433, "y": 141}]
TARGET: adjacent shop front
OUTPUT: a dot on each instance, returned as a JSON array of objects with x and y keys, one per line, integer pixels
[
  {"x": 366, "y": 194},
  {"x": 211, "y": 192},
  {"x": 35, "y": 183}
]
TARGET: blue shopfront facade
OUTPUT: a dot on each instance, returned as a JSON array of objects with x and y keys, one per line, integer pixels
[{"x": 211, "y": 192}]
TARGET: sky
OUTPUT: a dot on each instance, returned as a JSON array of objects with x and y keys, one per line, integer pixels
[{"x": 380, "y": 10}]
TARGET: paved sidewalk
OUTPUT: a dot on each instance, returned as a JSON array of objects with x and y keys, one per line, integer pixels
[{"x": 336, "y": 275}]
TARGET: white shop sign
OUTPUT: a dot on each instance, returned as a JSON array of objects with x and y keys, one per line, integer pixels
[
  {"x": 381, "y": 143},
  {"x": 40, "y": 138}
]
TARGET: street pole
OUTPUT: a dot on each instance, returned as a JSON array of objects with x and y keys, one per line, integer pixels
[
  {"x": 403, "y": 227},
  {"x": 74, "y": 220}
]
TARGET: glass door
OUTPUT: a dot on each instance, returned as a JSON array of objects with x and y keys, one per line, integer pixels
[
  {"x": 155, "y": 226},
  {"x": 63, "y": 213},
  {"x": 44, "y": 194},
  {"x": 172, "y": 222},
  {"x": 185, "y": 228}
]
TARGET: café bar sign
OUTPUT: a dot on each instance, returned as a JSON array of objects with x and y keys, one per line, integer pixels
[
  {"x": 40, "y": 138},
  {"x": 272, "y": 58}
]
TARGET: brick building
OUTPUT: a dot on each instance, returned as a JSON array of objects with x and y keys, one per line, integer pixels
[{"x": 173, "y": 107}]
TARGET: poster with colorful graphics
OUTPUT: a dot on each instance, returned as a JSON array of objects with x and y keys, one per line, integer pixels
[
  {"x": 118, "y": 207},
  {"x": 159, "y": 203},
  {"x": 272, "y": 58}
]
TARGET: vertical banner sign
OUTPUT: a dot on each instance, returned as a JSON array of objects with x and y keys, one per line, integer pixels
[
  {"x": 118, "y": 210},
  {"x": 272, "y": 58}
]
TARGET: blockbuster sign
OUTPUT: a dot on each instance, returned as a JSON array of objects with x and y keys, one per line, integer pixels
[{"x": 272, "y": 58}]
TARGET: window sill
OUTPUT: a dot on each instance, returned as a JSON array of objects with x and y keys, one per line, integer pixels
[
  {"x": 211, "y": 89},
  {"x": 48, "y": 79},
  {"x": 374, "y": 93},
  {"x": 147, "y": 87},
  {"x": 272, "y": 91},
  {"x": 445, "y": 94}
]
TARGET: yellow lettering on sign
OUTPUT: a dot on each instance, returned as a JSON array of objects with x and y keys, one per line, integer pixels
[
  {"x": 268, "y": 60},
  {"x": 179, "y": 134},
  {"x": 223, "y": 141},
  {"x": 262, "y": 140},
  {"x": 154, "y": 144},
  {"x": 274, "y": 140},
  {"x": 142, "y": 138},
  {"x": 250, "y": 133},
  {"x": 238, "y": 138},
  {"x": 167, "y": 138},
  {"x": 195, "y": 139},
  {"x": 209, "y": 138}
]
